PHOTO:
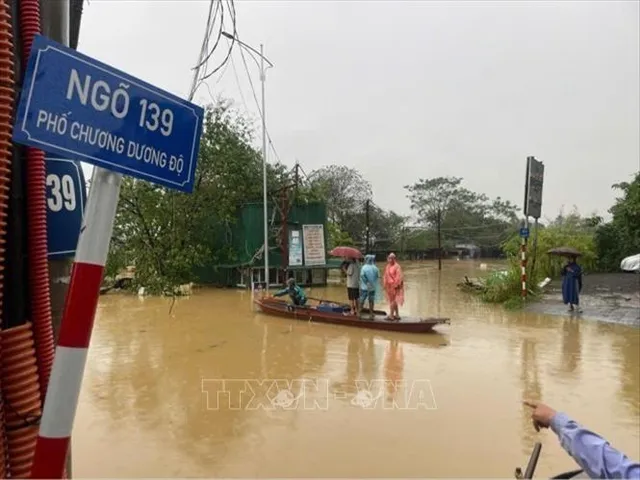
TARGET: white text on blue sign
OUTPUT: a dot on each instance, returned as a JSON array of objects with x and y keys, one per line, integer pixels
[{"x": 76, "y": 106}]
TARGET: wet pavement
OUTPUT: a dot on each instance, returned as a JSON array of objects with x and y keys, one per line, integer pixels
[
  {"x": 621, "y": 309},
  {"x": 199, "y": 392},
  {"x": 605, "y": 297}
]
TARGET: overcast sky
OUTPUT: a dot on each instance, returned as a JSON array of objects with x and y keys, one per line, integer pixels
[{"x": 402, "y": 90}]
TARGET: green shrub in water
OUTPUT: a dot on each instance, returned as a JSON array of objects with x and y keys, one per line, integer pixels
[
  {"x": 506, "y": 287},
  {"x": 546, "y": 265}
]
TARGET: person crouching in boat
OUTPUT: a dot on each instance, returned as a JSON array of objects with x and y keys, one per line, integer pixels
[
  {"x": 369, "y": 280},
  {"x": 393, "y": 286},
  {"x": 352, "y": 270},
  {"x": 296, "y": 294}
]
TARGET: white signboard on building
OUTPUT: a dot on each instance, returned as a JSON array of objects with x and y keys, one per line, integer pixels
[
  {"x": 313, "y": 241},
  {"x": 295, "y": 248}
]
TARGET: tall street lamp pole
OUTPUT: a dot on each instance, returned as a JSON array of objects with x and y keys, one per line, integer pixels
[{"x": 263, "y": 78}]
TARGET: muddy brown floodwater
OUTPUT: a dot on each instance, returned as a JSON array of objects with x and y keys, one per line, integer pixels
[{"x": 149, "y": 407}]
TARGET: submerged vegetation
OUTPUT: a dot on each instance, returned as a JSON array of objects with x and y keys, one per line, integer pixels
[{"x": 603, "y": 246}]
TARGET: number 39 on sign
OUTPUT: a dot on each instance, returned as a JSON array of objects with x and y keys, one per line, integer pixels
[
  {"x": 62, "y": 192},
  {"x": 66, "y": 197}
]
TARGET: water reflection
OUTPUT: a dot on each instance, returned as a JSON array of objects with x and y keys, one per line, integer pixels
[
  {"x": 571, "y": 346},
  {"x": 143, "y": 412},
  {"x": 531, "y": 389},
  {"x": 355, "y": 360},
  {"x": 156, "y": 379},
  {"x": 393, "y": 369},
  {"x": 628, "y": 348}
]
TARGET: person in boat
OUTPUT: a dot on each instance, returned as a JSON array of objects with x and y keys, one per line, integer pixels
[
  {"x": 572, "y": 284},
  {"x": 296, "y": 294},
  {"x": 352, "y": 270},
  {"x": 393, "y": 283},
  {"x": 369, "y": 281},
  {"x": 596, "y": 457}
]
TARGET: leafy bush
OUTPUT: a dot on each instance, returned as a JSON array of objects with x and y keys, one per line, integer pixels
[
  {"x": 506, "y": 287},
  {"x": 582, "y": 239},
  {"x": 500, "y": 286},
  {"x": 620, "y": 238}
]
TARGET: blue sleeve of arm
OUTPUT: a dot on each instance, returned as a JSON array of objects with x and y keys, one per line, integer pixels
[
  {"x": 281, "y": 293},
  {"x": 593, "y": 453}
]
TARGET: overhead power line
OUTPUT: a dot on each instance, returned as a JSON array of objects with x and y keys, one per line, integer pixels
[
  {"x": 215, "y": 23},
  {"x": 255, "y": 98},
  {"x": 218, "y": 15}
]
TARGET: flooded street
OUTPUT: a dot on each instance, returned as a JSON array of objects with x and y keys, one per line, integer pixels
[{"x": 458, "y": 413}]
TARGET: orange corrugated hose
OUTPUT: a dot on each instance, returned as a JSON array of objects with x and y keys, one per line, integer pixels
[
  {"x": 23, "y": 405},
  {"x": 26, "y": 408},
  {"x": 6, "y": 104},
  {"x": 37, "y": 222},
  {"x": 18, "y": 369}
]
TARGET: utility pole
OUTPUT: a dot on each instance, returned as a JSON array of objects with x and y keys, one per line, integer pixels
[
  {"x": 366, "y": 221},
  {"x": 263, "y": 78},
  {"x": 55, "y": 25},
  {"x": 296, "y": 181},
  {"x": 439, "y": 239}
]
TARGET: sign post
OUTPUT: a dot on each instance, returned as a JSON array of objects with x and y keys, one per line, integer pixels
[
  {"x": 66, "y": 200},
  {"x": 534, "y": 180},
  {"x": 73, "y": 106}
]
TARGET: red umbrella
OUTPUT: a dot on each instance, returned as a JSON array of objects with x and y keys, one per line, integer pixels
[{"x": 348, "y": 252}]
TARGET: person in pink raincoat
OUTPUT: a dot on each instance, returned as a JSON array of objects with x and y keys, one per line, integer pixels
[{"x": 393, "y": 283}]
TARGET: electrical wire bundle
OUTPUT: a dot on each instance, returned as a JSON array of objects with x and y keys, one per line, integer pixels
[
  {"x": 215, "y": 23},
  {"x": 218, "y": 11}
]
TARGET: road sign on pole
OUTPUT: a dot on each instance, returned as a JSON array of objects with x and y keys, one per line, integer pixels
[
  {"x": 76, "y": 107},
  {"x": 524, "y": 233},
  {"x": 533, "y": 188},
  {"x": 66, "y": 198}
]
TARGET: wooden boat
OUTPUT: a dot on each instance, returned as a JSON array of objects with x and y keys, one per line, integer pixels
[
  {"x": 330, "y": 312},
  {"x": 533, "y": 462}
]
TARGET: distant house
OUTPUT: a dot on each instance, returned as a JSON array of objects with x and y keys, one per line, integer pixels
[{"x": 467, "y": 250}]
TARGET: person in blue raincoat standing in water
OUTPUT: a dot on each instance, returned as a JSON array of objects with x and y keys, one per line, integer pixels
[
  {"x": 369, "y": 283},
  {"x": 572, "y": 284}
]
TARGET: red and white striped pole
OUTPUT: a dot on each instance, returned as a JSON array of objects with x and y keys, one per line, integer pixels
[
  {"x": 77, "y": 324},
  {"x": 523, "y": 260}
]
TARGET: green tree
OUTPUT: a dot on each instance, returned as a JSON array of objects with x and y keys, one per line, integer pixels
[
  {"x": 573, "y": 231},
  {"x": 166, "y": 233},
  {"x": 466, "y": 216},
  {"x": 620, "y": 237},
  {"x": 385, "y": 228},
  {"x": 337, "y": 237},
  {"x": 345, "y": 192},
  {"x": 570, "y": 230}
]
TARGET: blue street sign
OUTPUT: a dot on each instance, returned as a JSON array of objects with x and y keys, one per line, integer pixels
[
  {"x": 76, "y": 107},
  {"x": 524, "y": 232},
  {"x": 66, "y": 198}
]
